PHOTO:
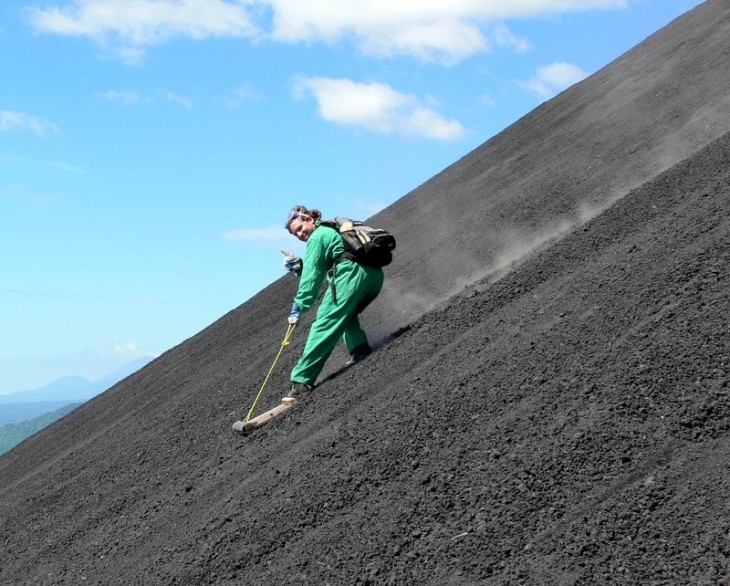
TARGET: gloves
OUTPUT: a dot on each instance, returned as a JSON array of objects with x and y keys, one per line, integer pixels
[
  {"x": 294, "y": 314},
  {"x": 292, "y": 264}
]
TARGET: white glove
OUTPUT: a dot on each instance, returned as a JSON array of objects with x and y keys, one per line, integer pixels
[
  {"x": 294, "y": 314},
  {"x": 292, "y": 263}
]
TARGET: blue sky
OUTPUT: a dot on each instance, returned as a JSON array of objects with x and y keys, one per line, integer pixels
[{"x": 149, "y": 149}]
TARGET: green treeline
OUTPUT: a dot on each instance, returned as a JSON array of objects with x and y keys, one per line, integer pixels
[{"x": 11, "y": 434}]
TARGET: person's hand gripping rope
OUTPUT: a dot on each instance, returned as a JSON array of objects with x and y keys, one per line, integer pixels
[{"x": 294, "y": 314}]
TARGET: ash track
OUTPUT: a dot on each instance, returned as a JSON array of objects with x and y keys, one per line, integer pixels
[{"x": 567, "y": 424}]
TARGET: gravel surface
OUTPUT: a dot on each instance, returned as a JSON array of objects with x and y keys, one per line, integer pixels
[{"x": 548, "y": 402}]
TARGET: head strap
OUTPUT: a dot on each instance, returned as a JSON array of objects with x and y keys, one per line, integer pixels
[{"x": 293, "y": 215}]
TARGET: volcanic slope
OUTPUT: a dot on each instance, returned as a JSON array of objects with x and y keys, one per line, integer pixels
[{"x": 548, "y": 406}]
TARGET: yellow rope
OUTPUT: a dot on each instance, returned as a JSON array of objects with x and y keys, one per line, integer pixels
[{"x": 289, "y": 332}]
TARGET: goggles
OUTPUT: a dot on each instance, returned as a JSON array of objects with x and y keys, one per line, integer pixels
[{"x": 293, "y": 215}]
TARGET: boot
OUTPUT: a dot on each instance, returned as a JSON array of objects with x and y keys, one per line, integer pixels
[
  {"x": 297, "y": 389},
  {"x": 360, "y": 353}
]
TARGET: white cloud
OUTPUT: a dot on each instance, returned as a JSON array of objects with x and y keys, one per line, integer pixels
[
  {"x": 126, "y": 27},
  {"x": 376, "y": 107},
  {"x": 123, "y": 97},
  {"x": 125, "y": 347},
  {"x": 554, "y": 78},
  {"x": 270, "y": 234},
  {"x": 128, "y": 98},
  {"x": 178, "y": 99},
  {"x": 10, "y": 121},
  {"x": 444, "y": 41},
  {"x": 114, "y": 346},
  {"x": 425, "y": 122},
  {"x": 243, "y": 94},
  {"x": 504, "y": 37},
  {"x": 431, "y": 30},
  {"x": 428, "y": 29}
]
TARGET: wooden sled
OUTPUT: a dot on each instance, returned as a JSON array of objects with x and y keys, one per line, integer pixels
[{"x": 246, "y": 427}]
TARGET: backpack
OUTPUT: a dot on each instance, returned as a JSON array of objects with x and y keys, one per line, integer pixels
[{"x": 372, "y": 247}]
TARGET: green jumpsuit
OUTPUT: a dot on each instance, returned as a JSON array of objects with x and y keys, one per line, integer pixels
[{"x": 355, "y": 287}]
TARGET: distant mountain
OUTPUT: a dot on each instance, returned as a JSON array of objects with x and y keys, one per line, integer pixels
[
  {"x": 24, "y": 413},
  {"x": 67, "y": 389},
  {"x": 25, "y": 405}
]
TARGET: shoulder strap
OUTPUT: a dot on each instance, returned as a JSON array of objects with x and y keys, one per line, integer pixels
[{"x": 340, "y": 224}]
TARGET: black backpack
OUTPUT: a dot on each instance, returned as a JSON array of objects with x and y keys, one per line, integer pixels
[{"x": 372, "y": 247}]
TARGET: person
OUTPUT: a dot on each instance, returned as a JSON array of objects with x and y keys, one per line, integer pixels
[{"x": 352, "y": 287}]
